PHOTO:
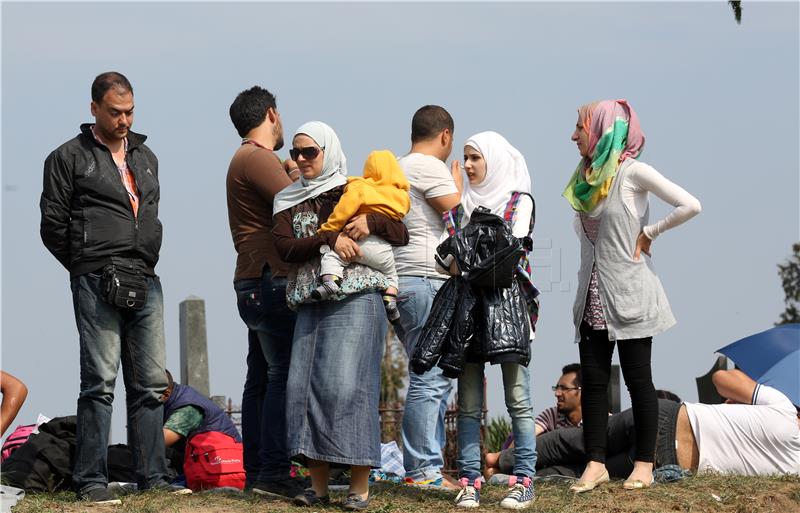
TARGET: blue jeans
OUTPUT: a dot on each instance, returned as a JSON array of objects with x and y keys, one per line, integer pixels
[
  {"x": 516, "y": 385},
  {"x": 426, "y": 399},
  {"x": 255, "y": 386},
  {"x": 108, "y": 335},
  {"x": 262, "y": 307}
]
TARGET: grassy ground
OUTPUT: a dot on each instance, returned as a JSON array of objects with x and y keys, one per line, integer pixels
[{"x": 698, "y": 494}]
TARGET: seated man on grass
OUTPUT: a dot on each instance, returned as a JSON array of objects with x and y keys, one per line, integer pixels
[
  {"x": 566, "y": 413},
  {"x": 187, "y": 412}
]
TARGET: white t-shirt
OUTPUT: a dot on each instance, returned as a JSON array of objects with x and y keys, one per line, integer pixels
[
  {"x": 429, "y": 178},
  {"x": 752, "y": 440}
]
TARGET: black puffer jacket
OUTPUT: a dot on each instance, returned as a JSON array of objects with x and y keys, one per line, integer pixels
[
  {"x": 479, "y": 315},
  {"x": 86, "y": 215}
]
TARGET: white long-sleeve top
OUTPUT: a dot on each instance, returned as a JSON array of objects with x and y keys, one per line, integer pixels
[{"x": 641, "y": 179}]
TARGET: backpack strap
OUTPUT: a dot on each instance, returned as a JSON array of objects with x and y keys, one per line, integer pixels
[
  {"x": 510, "y": 214},
  {"x": 524, "y": 269},
  {"x": 452, "y": 219}
]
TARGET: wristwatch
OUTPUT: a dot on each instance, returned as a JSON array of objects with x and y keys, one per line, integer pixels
[{"x": 324, "y": 249}]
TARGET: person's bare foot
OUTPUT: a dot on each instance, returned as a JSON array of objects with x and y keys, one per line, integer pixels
[{"x": 450, "y": 483}]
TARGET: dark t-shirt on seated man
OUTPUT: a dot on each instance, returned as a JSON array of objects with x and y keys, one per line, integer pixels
[{"x": 187, "y": 412}]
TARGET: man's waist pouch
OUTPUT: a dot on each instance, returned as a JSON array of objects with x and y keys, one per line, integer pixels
[{"x": 124, "y": 285}]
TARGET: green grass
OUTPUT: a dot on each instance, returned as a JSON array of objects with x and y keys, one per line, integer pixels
[{"x": 698, "y": 494}]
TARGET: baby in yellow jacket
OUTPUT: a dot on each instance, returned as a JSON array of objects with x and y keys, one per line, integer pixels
[{"x": 382, "y": 190}]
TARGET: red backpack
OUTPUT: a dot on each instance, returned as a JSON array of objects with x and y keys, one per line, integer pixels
[{"x": 213, "y": 460}]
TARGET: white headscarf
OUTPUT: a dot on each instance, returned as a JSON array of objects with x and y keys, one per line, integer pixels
[
  {"x": 334, "y": 169},
  {"x": 506, "y": 173}
]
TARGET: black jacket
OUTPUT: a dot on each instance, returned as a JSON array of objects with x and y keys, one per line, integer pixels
[
  {"x": 480, "y": 315},
  {"x": 87, "y": 217},
  {"x": 44, "y": 463}
]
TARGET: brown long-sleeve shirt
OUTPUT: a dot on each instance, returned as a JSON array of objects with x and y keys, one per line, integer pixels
[{"x": 255, "y": 176}]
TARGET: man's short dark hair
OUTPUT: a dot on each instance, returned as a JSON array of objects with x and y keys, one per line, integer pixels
[
  {"x": 429, "y": 121},
  {"x": 249, "y": 109},
  {"x": 576, "y": 368},
  {"x": 108, "y": 80}
]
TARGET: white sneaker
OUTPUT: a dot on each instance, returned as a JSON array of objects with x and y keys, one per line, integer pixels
[{"x": 470, "y": 494}]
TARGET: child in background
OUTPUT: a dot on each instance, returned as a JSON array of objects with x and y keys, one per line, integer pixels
[{"x": 383, "y": 190}]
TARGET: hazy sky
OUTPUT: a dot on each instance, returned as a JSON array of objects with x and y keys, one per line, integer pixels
[{"x": 718, "y": 103}]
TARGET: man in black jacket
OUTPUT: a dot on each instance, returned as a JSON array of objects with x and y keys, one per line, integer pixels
[{"x": 99, "y": 211}]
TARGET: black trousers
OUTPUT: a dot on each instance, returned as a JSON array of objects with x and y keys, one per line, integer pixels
[
  {"x": 634, "y": 356},
  {"x": 562, "y": 451}
]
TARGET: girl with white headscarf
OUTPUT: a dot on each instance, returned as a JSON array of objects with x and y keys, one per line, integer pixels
[
  {"x": 495, "y": 172},
  {"x": 333, "y": 387},
  {"x": 504, "y": 172}
]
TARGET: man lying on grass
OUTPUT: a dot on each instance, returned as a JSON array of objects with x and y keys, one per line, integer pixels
[{"x": 757, "y": 432}]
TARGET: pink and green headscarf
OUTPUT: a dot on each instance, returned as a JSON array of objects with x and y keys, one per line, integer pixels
[{"x": 614, "y": 135}]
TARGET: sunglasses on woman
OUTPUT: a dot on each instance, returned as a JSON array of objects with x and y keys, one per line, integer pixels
[{"x": 308, "y": 153}]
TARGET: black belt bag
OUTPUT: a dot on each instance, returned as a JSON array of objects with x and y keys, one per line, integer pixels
[{"x": 124, "y": 287}]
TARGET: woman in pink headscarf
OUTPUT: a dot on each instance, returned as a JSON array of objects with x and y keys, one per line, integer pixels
[{"x": 620, "y": 298}]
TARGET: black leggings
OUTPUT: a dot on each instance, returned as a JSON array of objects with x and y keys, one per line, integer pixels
[{"x": 634, "y": 356}]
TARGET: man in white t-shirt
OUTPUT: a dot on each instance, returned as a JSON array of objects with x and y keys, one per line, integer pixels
[
  {"x": 758, "y": 433},
  {"x": 435, "y": 189}
]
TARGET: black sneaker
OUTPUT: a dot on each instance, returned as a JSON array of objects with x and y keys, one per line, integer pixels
[
  {"x": 355, "y": 502},
  {"x": 287, "y": 488},
  {"x": 173, "y": 489},
  {"x": 119, "y": 489},
  {"x": 310, "y": 498},
  {"x": 100, "y": 495}
]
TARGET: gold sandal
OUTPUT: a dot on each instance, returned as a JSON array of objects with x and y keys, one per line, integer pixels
[
  {"x": 636, "y": 484},
  {"x": 586, "y": 485}
]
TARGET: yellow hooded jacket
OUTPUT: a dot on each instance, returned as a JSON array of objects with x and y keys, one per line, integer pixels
[{"x": 382, "y": 190}]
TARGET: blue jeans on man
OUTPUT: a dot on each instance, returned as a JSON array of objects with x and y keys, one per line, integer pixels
[
  {"x": 426, "y": 398},
  {"x": 109, "y": 335},
  {"x": 262, "y": 307}
]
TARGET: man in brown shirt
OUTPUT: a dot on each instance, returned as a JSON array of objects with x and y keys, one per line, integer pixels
[{"x": 255, "y": 176}]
